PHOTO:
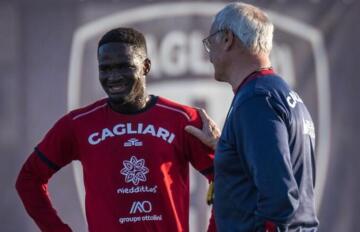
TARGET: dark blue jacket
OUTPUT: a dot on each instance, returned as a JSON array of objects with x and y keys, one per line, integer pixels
[{"x": 264, "y": 162}]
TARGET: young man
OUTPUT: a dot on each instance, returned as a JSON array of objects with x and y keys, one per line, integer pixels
[
  {"x": 132, "y": 146},
  {"x": 264, "y": 162}
]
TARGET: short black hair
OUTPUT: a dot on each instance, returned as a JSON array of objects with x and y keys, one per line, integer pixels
[{"x": 124, "y": 35}]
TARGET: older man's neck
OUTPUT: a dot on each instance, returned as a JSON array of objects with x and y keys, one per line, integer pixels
[{"x": 243, "y": 68}]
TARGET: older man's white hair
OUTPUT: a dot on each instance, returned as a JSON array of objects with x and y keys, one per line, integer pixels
[{"x": 250, "y": 24}]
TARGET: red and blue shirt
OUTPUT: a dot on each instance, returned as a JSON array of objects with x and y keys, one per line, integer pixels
[{"x": 265, "y": 160}]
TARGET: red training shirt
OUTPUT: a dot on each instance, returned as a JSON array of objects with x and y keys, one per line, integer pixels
[{"x": 136, "y": 167}]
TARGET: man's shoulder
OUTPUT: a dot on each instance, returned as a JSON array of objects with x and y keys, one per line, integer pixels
[
  {"x": 88, "y": 109},
  {"x": 271, "y": 88},
  {"x": 271, "y": 82},
  {"x": 270, "y": 85},
  {"x": 177, "y": 109}
]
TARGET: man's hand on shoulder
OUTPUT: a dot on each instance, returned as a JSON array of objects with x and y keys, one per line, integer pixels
[{"x": 210, "y": 132}]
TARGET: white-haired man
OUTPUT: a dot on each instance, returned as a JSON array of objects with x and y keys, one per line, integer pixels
[{"x": 264, "y": 161}]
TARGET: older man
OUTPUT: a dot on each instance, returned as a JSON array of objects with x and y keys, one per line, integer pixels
[{"x": 264, "y": 160}]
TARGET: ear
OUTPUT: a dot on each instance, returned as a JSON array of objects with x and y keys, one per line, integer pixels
[
  {"x": 228, "y": 40},
  {"x": 147, "y": 66}
]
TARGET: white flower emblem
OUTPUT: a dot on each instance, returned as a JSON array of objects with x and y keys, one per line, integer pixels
[{"x": 134, "y": 170}]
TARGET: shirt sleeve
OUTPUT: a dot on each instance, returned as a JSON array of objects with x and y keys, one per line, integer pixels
[
  {"x": 58, "y": 148},
  {"x": 54, "y": 151},
  {"x": 261, "y": 134},
  {"x": 200, "y": 156}
]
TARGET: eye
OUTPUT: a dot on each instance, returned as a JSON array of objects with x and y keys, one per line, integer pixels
[
  {"x": 132, "y": 67},
  {"x": 104, "y": 68},
  {"x": 117, "y": 68}
]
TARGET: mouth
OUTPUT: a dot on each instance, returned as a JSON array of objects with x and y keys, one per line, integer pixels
[{"x": 118, "y": 88}]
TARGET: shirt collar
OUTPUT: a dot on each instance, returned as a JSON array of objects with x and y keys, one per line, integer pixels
[{"x": 254, "y": 75}]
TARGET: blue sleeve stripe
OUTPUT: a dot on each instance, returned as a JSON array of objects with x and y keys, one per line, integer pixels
[{"x": 46, "y": 160}]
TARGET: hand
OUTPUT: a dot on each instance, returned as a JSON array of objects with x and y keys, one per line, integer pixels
[
  {"x": 210, "y": 193},
  {"x": 210, "y": 132}
]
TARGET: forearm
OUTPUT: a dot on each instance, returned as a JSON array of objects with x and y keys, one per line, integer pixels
[
  {"x": 277, "y": 195},
  {"x": 32, "y": 189}
]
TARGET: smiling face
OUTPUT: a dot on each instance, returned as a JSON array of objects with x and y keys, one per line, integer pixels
[{"x": 122, "y": 70}]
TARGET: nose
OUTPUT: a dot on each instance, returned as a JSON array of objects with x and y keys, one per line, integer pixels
[{"x": 115, "y": 76}]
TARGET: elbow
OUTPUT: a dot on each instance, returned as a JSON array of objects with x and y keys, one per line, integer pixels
[
  {"x": 281, "y": 207},
  {"x": 19, "y": 183},
  {"x": 24, "y": 181},
  {"x": 293, "y": 204},
  {"x": 289, "y": 205}
]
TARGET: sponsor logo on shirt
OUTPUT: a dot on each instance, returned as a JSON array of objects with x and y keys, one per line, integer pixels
[
  {"x": 293, "y": 98},
  {"x": 309, "y": 128},
  {"x": 131, "y": 129},
  {"x": 133, "y": 142},
  {"x": 141, "y": 207},
  {"x": 138, "y": 189},
  {"x": 134, "y": 170},
  {"x": 154, "y": 217}
]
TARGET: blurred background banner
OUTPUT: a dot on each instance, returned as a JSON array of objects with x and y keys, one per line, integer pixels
[{"x": 48, "y": 66}]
